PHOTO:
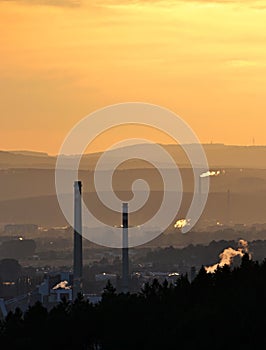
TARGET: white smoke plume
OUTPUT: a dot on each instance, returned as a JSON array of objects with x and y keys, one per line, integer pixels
[
  {"x": 61, "y": 285},
  {"x": 228, "y": 255},
  {"x": 182, "y": 223},
  {"x": 210, "y": 173}
]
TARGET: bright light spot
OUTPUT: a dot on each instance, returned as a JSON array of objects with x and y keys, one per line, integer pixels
[
  {"x": 182, "y": 223},
  {"x": 210, "y": 173},
  {"x": 8, "y": 283},
  {"x": 62, "y": 285},
  {"x": 173, "y": 274}
]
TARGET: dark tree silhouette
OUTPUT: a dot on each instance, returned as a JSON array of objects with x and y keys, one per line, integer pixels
[{"x": 216, "y": 311}]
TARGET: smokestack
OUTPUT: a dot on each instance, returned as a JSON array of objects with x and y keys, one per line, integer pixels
[
  {"x": 125, "y": 263},
  {"x": 77, "y": 282}
]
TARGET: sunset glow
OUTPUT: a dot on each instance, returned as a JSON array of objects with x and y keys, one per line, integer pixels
[{"x": 61, "y": 60}]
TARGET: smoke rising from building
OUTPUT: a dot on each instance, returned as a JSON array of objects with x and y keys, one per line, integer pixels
[
  {"x": 62, "y": 285},
  {"x": 210, "y": 173},
  {"x": 181, "y": 223},
  {"x": 228, "y": 255}
]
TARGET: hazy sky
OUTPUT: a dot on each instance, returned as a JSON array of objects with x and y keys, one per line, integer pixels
[{"x": 62, "y": 59}]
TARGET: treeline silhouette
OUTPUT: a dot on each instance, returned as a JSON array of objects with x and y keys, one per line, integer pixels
[
  {"x": 224, "y": 310},
  {"x": 199, "y": 254}
]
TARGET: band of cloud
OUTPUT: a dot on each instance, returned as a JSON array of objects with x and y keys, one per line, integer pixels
[{"x": 58, "y": 3}]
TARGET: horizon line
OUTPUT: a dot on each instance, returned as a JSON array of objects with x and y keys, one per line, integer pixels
[{"x": 44, "y": 153}]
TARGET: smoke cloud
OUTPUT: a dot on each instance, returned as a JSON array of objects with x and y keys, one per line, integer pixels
[
  {"x": 210, "y": 173},
  {"x": 228, "y": 255},
  {"x": 182, "y": 223},
  {"x": 61, "y": 285}
]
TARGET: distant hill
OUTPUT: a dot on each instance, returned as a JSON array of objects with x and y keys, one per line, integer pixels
[
  {"x": 25, "y": 160},
  {"x": 245, "y": 208},
  {"x": 31, "y": 153},
  {"x": 27, "y": 186},
  {"x": 218, "y": 156}
]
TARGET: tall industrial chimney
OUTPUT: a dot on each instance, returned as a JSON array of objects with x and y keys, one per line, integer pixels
[
  {"x": 125, "y": 262},
  {"x": 77, "y": 268}
]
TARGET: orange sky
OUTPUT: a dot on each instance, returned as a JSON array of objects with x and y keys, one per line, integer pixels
[{"x": 62, "y": 59}]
